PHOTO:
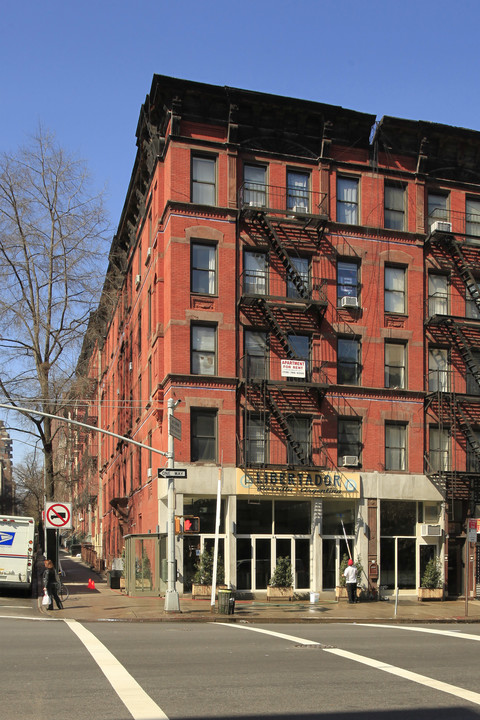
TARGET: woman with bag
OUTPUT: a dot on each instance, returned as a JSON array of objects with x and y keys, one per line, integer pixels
[{"x": 51, "y": 583}]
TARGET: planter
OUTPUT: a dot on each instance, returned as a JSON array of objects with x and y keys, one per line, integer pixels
[
  {"x": 204, "y": 591},
  {"x": 279, "y": 593},
  {"x": 342, "y": 594},
  {"x": 430, "y": 594}
]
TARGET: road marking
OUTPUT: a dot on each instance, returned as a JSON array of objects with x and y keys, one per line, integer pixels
[
  {"x": 458, "y": 692},
  {"x": 432, "y": 631},
  {"x": 139, "y": 704}
]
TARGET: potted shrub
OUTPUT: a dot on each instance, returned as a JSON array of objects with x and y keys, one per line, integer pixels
[
  {"x": 280, "y": 586},
  {"x": 431, "y": 586},
  {"x": 341, "y": 590},
  {"x": 202, "y": 579}
]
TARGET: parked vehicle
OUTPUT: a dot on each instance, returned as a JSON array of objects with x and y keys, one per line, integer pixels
[{"x": 16, "y": 551}]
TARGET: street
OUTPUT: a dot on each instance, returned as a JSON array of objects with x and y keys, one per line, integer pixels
[{"x": 118, "y": 671}]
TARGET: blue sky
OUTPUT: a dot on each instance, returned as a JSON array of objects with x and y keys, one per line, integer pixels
[{"x": 82, "y": 69}]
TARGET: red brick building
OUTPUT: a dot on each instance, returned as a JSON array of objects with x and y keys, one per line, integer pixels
[{"x": 303, "y": 281}]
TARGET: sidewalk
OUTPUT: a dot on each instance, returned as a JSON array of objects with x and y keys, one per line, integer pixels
[{"x": 103, "y": 604}]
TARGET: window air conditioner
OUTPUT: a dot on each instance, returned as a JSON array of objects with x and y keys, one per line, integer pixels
[
  {"x": 441, "y": 226},
  {"x": 349, "y": 301},
  {"x": 431, "y": 530},
  {"x": 299, "y": 209},
  {"x": 350, "y": 460},
  {"x": 130, "y": 366},
  {"x": 149, "y": 255},
  {"x": 149, "y": 472},
  {"x": 137, "y": 280}
]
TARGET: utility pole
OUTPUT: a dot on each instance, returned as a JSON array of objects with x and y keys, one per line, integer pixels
[{"x": 172, "y": 602}]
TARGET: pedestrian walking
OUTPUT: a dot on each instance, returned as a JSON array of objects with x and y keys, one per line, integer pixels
[
  {"x": 37, "y": 574},
  {"x": 51, "y": 583},
  {"x": 350, "y": 574}
]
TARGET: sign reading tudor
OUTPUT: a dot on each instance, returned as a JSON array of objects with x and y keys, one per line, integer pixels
[{"x": 58, "y": 515}]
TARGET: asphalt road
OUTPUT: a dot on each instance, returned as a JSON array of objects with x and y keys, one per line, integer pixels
[{"x": 118, "y": 671}]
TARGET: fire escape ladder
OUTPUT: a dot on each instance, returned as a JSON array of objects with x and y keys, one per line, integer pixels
[
  {"x": 282, "y": 421},
  {"x": 465, "y": 351},
  {"x": 277, "y": 329},
  {"x": 277, "y": 245},
  {"x": 469, "y": 433},
  {"x": 464, "y": 271}
]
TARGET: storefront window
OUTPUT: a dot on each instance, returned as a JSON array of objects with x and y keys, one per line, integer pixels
[
  {"x": 334, "y": 512},
  {"x": 254, "y": 517},
  {"x": 292, "y": 517},
  {"x": 206, "y": 510},
  {"x": 398, "y": 517}
]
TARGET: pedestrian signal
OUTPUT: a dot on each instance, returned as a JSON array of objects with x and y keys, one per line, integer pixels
[{"x": 191, "y": 525}]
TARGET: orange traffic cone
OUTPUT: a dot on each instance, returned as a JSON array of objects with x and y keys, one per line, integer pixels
[
  {"x": 92, "y": 586},
  {"x": 90, "y": 581}
]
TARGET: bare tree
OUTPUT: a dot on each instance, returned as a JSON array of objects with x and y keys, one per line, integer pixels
[
  {"x": 29, "y": 487},
  {"x": 53, "y": 255}
]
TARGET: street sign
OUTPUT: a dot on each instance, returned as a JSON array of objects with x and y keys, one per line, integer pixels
[
  {"x": 472, "y": 530},
  {"x": 174, "y": 427},
  {"x": 58, "y": 515},
  {"x": 172, "y": 472}
]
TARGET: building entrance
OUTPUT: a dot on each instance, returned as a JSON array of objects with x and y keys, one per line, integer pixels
[{"x": 257, "y": 557}]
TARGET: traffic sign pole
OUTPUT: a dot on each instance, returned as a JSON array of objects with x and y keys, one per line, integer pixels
[{"x": 172, "y": 600}]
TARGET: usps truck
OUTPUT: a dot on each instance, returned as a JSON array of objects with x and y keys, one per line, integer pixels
[{"x": 17, "y": 536}]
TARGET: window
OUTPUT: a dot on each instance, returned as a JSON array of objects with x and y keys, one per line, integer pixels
[
  {"x": 395, "y": 359},
  {"x": 256, "y": 438},
  {"x": 347, "y": 200},
  {"x": 349, "y": 438},
  {"x": 394, "y": 289},
  {"x": 255, "y": 273},
  {"x": 254, "y": 177},
  {"x": 438, "y": 449},
  {"x": 203, "y": 344},
  {"x": 302, "y": 268},
  {"x": 300, "y": 345},
  {"x": 473, "y": 374},
  {"x": 437, "y": 369},
  {"x": 472, "y": 217},
  {"x": 472, "y": 309},
  {"x": 297, "y": 191},
  {"x": 256, "y": 354},
  {"x": 437, "y": 208},
  {"x": 473, "y": 457},
  {"x": 394, "y": 207},
  {"x": 437, "y": 294},
  {"x": 299, "y": 449},
  {"x": 203, "y": 435},
  {"x": 203, "y": 180},
  {"x": 348, "y": 361},
  {"x": 203, "y": 268},
  {"x": 347, "y": 280},
  {"x": 395, "y": 446}
]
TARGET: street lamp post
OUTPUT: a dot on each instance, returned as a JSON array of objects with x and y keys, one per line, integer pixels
[{"x": 172, "y": 603}]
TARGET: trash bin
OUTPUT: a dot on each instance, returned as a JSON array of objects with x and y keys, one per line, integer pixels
[
  {"x": 114, "y": 579},
  {"x": 226, "y": 602}
]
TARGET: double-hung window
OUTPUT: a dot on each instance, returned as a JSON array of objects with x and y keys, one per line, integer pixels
[
  {"x": 347, "y": 280},
  {"x": 204, "y": 260},
  {"x": 299, "y": 447},
  {"x": 437, "y": 208},
  {"x": 203, "y": 343},
  {"x": 203, "y": 435},
  {"x": 297, "y": 191},
  {"x": 255, "y": 273},
  {"x": 438, "y": 446},
  {"x": 395, "y": 361},
  {"x": 300, "y": 345},
  {"x": 203, "y": 180},
  {"x": 437, "y": 369},
  {"x": 300, "y": 289},
  {"x": 255, "y": 188},
  {"x": 394, "y": 207},
  {"x": 256, "y": 441},
  {"x": 395, "y": 290},
  {"x": 349, "y": 440},
  {"x": 437, "y": 294},
  {"x": 347, "y": 200},
  {"x": 256, "y": 354},
  {"x": 473, "y": 375},
  {"x": 348, "y": 361},
  {"x": 395, "y": 446},
  {"x": 472, "y": 218}
]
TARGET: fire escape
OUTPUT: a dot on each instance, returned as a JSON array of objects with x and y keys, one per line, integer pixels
[
  {"x": 282, "y": 301},
  {"x": 454, "y": 395}
]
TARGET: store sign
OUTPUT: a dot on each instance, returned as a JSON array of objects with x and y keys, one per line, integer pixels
[
  {"x": 293, "y": 368},
  {"x": 302, "y": 483}
]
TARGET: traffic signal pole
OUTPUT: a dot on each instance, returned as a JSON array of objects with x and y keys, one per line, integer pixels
[{"x": 172, "y": 601}]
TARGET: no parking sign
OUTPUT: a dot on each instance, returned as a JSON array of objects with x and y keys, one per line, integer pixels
[{"x": 58, "y": 515}]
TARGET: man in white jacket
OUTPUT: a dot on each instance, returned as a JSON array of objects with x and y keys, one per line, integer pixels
[{"x": 351, "y": 581}]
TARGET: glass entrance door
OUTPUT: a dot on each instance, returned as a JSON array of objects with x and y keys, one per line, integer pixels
[
  {"x": 333, "y": 550},
  {"x": 256, "y": 558}
]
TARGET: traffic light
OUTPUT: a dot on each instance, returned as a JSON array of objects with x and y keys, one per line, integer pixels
[{"x": 191, "y": 525}]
